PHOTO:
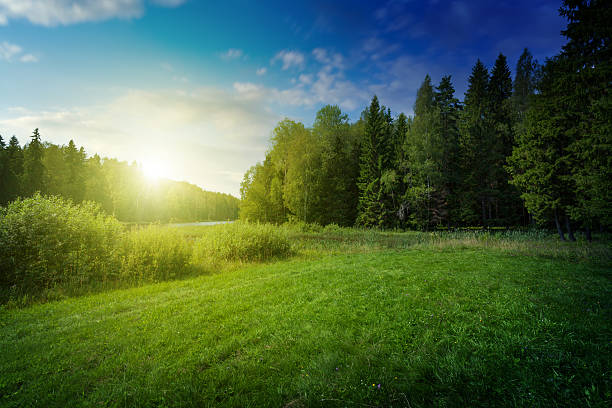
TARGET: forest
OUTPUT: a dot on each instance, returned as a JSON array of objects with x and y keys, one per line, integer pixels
[
  {"x": 530, "y": 150},
  {"x": 120, "y": 188}
]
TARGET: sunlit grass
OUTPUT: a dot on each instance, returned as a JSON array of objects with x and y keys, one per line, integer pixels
[{"x": 451, "y": 327}]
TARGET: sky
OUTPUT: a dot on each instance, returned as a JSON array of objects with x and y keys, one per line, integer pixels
[{"x": 196, "y": 87}]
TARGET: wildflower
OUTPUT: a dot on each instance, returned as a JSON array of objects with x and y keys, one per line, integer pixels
[{"x": 378, "y": 386}]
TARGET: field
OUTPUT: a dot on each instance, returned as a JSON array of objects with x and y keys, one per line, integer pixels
[{"x": 352, "y": 318}]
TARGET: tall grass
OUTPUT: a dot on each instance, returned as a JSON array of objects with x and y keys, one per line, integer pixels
[
  {"x": 153, "y": 254},
  {"x": 241, "y": 242}
]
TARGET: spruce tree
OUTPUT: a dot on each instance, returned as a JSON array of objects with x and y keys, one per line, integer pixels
[
  {"x": 3, "y": 172},
  {"x": 370, "y": 208},
  {"x": 585, "y": 87},
  {"x": 476, "y": 142},
  {"x": 540, "y": 164},
  {"x": 505, "y": 206},
  {"x": 34, "y": 172},
  {"x": 75, "y": 167},
  {"x": 14, "y": 171},
  {"x": 425, "y": 153},
  {"x": 525, "y": 82},
  {"x": 449, "y": 108}
]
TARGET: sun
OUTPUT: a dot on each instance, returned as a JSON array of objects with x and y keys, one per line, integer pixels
[{"x": 154, "y": 170}]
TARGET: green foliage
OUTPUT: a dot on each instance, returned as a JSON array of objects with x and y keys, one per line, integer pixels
[
  {"x": 242, "y": 242},
  {"x": 153, "y": 254},
  {"x": 48, "y": 241},
  {"x": 34, "y": 177},
  {"x": 376, "y": 161}
]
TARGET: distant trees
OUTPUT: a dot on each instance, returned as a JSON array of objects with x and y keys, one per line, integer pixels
[
  {"x": 119, "y": 188},
  {"x": 534, "y": 149},
  {"x": 308, "y": 174}
]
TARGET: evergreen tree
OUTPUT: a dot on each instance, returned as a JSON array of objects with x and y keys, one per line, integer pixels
[
  {"x": 425, "y": 152},
  {"x": 34, "y": 172},
  {"x": 55, "y": 165},
  {"x": 400, "y": 170},
  {"x": 3, "y": 172},
  {"x": 525, "y": 82},
  {"x": 585, "y": 88},
  {"x": 449, "y": 108},
  {"x": 96, "y": 184},
  {"x": 375, "y": 155},
  {"x": 540, "y": 164},
  {"x": 476, "y": 142},
  {"x": 504, "y": 205},
  {"x": 75, "y": 172},
  {"x": 14, "y": 170}
]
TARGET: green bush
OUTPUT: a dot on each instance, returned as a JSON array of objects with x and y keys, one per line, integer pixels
[
  {"x": 154, "y": 253},
  {"x": 242, "y": 242},
  {"x": 47, "y": 241}
]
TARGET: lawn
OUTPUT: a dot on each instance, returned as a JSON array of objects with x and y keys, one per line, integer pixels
[{"x": 423, "y": 326}]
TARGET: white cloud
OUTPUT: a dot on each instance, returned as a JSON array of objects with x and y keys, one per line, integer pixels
[
  {"x": 28, "y": 58},
  {"x": 209, "y": 136},
  {"x": 289, "y": 59},
  {"x": 232, "y": 53},
  {"x": 11, "y": 52},
  {"x": 63, "y": 12},
  {"x": 8, "y": 50},
  {"x": 305, "y": 79},
  {"x": 331, "y": 60},
  {"x": 261, "y": 71}
]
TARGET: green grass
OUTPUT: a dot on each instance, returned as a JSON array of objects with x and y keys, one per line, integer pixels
[{"x": 435, "y": 325}]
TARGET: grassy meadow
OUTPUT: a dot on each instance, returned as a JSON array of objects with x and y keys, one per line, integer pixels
[{"x": 329, "y": 317}]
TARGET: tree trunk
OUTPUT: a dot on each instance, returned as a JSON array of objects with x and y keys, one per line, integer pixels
[
  {"x": 570, "y": 232},
  {"x": 587, "y": 232},
  {"x": 484, "y": 212},
  {"x": 559, "y": 229}
]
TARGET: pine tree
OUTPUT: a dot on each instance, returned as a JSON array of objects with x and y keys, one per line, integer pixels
[
  {"x": 585, "y": 87},
  {"x": 540, "y": 164},
  {"x": 3, "y": 172},
  {"x": 525, "y": 82},
  {"x": 75, "y": 168},
  {"x": 369, "y": 209},
  {"x": 475, "y": 141},
  {"x": 425, "y": 152},
  {"x": 34, "y": 172},
  {"x": 449, "y": 108},
  {"x": 14, "y": 171},
  {"x": 504, "y": 206}
]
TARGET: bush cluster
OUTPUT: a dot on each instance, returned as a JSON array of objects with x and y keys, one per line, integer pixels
[
  {"x": 49, "y": 245},
  {"x": 46, "y": 241}
]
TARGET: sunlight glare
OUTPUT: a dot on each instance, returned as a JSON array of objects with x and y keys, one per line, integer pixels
[{"x": 154, "y": 170}]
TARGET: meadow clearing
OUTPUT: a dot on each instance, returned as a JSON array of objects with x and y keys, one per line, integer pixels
[{"x": 326, "y": 317}]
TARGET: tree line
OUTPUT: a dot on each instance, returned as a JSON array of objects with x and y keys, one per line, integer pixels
[
  {"x": 119, "y": 187},
  {"x": 533, "y": 149}
]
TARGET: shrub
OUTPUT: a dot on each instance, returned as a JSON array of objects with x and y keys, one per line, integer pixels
[
  {"x": 242, "y": 242},
  {"x": 46, "y": 241},
  {"x": 154, "y": 253}
]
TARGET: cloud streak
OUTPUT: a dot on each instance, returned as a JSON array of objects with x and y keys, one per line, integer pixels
[
  {"x": 289, "y": 59},
  {"x": 51, "y": 13},
  {"x": 13, "y": 52}
]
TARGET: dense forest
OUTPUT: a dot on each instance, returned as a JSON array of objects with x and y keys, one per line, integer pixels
[
  {"x": 120, "y": 188},
  {"x": 514, "y": 152}
]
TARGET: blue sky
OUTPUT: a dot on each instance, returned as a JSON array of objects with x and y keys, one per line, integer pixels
[{"x": 197, "y": 86}]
